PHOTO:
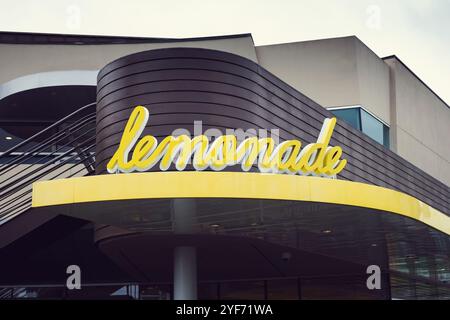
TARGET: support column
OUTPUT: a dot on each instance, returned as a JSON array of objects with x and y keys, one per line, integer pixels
[
  {"x": 185, "y": 257},
  {"x": 185, "y": 273}
]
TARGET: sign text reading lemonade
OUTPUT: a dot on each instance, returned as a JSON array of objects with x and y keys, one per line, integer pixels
[{"x": 287, "y": 157}]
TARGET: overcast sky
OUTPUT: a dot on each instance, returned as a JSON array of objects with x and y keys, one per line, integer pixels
[{"x": 417, "y": 31}]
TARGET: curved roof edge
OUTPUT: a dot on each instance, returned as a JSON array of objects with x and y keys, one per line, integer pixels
[
  {"x": 10, "y": 37},
  {"x": 49, "y": 79}
]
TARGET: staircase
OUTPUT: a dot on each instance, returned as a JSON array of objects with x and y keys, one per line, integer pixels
[{"x": 63, "y": 150}]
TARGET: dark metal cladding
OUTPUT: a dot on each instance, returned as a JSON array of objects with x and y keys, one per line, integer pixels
[{"x": 223, "y": 90}]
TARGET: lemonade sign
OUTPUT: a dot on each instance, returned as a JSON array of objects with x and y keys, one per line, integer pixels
[{"x": 288, "y": 157}]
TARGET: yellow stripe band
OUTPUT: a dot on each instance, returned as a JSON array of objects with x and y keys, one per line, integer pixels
[{"x": 193, "y": 184}]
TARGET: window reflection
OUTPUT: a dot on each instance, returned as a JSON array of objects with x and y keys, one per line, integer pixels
[{"x": 362, "y": 120}]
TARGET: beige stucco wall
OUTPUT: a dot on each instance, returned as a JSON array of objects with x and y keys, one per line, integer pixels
[
  {"x": 422, "y": 123},
  {"x": 333, "y": 72},
  {"x": 21, "y": 60},
  {"x": 373, "y": 82},
  {"x": 324, "y": 70}
]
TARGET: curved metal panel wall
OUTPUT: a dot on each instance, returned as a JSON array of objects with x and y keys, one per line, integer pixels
[{"x": 183, "y": 85}]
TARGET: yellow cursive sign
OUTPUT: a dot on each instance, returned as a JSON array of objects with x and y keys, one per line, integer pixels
[{"x": 287, "y": 157}]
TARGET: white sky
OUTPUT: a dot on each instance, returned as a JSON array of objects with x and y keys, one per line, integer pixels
[{"x": 417, "y": 31}]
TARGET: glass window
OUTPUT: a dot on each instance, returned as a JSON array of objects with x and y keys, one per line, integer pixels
[
  {"x": 350, "y": 115},
  {"x": 360, "y": 119},
  {"x": 386, "y": 136},
  {"x": 372, "y": 127}
]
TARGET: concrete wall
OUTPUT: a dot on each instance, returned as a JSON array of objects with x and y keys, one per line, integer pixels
[
  {"x": 373, "y": 82},
  {"x": 422, "y": 123},
  {"x": 21, "y": 60},
  {"x": 333, "y": 72}
]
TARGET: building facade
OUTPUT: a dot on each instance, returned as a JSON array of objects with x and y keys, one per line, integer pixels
[{"x": 78, "y": 186}]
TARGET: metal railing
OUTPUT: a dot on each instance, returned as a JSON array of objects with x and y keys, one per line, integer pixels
[
  {"x": 63, "y": 150},
  {"x": 118, "y": 290}
]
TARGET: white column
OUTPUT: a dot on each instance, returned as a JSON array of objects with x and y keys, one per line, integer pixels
[
  {"x": 185, "y": 257},
  {"x": 185, "y": 273}
]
